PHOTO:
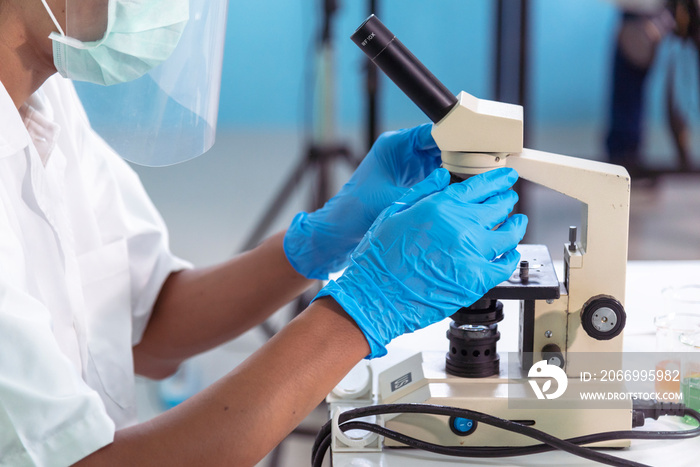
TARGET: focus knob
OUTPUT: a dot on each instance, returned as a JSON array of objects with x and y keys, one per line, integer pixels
[{"x": 603, "y": 317}]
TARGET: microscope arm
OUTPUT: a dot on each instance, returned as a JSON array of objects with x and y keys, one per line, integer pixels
[{"x": 598, "y": 265}]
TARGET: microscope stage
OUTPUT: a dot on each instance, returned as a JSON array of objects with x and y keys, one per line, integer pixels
[{"x": 542, "y": 283}]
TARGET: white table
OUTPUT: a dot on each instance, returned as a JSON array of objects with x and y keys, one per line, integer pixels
[{"x": 645, "y": 281}]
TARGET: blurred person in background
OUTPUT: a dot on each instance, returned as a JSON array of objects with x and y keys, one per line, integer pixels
[{"x": 644, "y": 25}]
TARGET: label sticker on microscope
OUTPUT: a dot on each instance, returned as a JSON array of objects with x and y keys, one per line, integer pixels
[{"x": 398, "y": 383}]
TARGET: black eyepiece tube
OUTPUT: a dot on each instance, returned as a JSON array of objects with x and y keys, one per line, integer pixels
[{"x": 404, "y": 69}]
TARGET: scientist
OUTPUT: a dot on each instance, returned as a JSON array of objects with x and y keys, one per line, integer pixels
[{"x": 91, "y": 295}]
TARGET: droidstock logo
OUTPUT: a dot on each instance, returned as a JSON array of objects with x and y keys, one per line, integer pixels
[{"x": 541, "y": 370}]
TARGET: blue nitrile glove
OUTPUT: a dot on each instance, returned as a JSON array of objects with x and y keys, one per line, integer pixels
[
  {"x": 321, "y": 242},
  {"x": 430, "y": 253}
]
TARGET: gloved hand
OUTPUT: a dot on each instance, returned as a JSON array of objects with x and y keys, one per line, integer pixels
[
  {"x": 431, "y": 253},
  {"x": 321, "y": 242}
]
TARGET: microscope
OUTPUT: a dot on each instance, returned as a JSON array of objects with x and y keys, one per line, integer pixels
[{"x": 562, "y": 323}]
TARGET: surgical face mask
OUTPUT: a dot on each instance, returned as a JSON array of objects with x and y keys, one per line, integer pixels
[{"x": 139, "y": 35}]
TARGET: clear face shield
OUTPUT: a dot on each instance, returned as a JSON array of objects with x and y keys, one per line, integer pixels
[{"x": 154, "y": 68}]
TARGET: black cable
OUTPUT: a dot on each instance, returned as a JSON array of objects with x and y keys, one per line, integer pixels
[
  {"x": 480, "y": 451},
  {"x": 493, "y": 452},
  {"x": 571, "y": 445},
  {"x": 318, "y": 455},
  {"x": 489, "y": 420}
]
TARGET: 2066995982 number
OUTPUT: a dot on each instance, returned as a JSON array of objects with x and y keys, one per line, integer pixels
[{"x": 658, "y": 375}]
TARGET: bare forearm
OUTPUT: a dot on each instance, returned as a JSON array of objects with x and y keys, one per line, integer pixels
[
  {"x": 243, "y": 416},
  {"x": 200, "y": 309}
]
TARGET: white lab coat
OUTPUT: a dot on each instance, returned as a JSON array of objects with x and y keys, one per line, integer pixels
[{"x": 83, "y": 255}]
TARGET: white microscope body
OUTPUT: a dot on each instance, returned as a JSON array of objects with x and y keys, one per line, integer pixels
[
  {"x": 477, "y": 136},
  {"x": 562, "y": 322}
]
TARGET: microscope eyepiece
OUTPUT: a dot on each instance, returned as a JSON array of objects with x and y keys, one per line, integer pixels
[{"x": 404, "y": 69}]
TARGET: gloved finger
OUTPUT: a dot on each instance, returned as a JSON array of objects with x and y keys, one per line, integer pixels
[
  {"x": 422, "y": 140},
  {"x": 496, "y": 209},
  {"x": 478, "y": 188},
  {"x": 436, "y": 181},
  {"x": 506, "y": 237},
  {"x": 409, "y": 140},
  {"x": 505, "y": 265}
]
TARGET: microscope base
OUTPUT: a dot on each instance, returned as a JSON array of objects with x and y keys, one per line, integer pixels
[{"x": 429, "y": 383}]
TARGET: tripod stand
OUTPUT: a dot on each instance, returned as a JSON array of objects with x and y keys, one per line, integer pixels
[{"x": 321, "y": 153}]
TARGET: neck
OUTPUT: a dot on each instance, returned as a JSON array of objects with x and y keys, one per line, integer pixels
[{"x": 26, "y": 58}]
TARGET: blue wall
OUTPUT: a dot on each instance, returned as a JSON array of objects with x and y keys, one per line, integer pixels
[
  {"x": 269, "y": 45},
  {"x": 572, "y": 48}
]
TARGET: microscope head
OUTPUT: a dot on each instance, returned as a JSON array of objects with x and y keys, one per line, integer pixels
[{"x": 477, "y": 135}]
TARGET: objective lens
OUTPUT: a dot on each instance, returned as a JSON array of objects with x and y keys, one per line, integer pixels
[{"x": 473, "y": 337}]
